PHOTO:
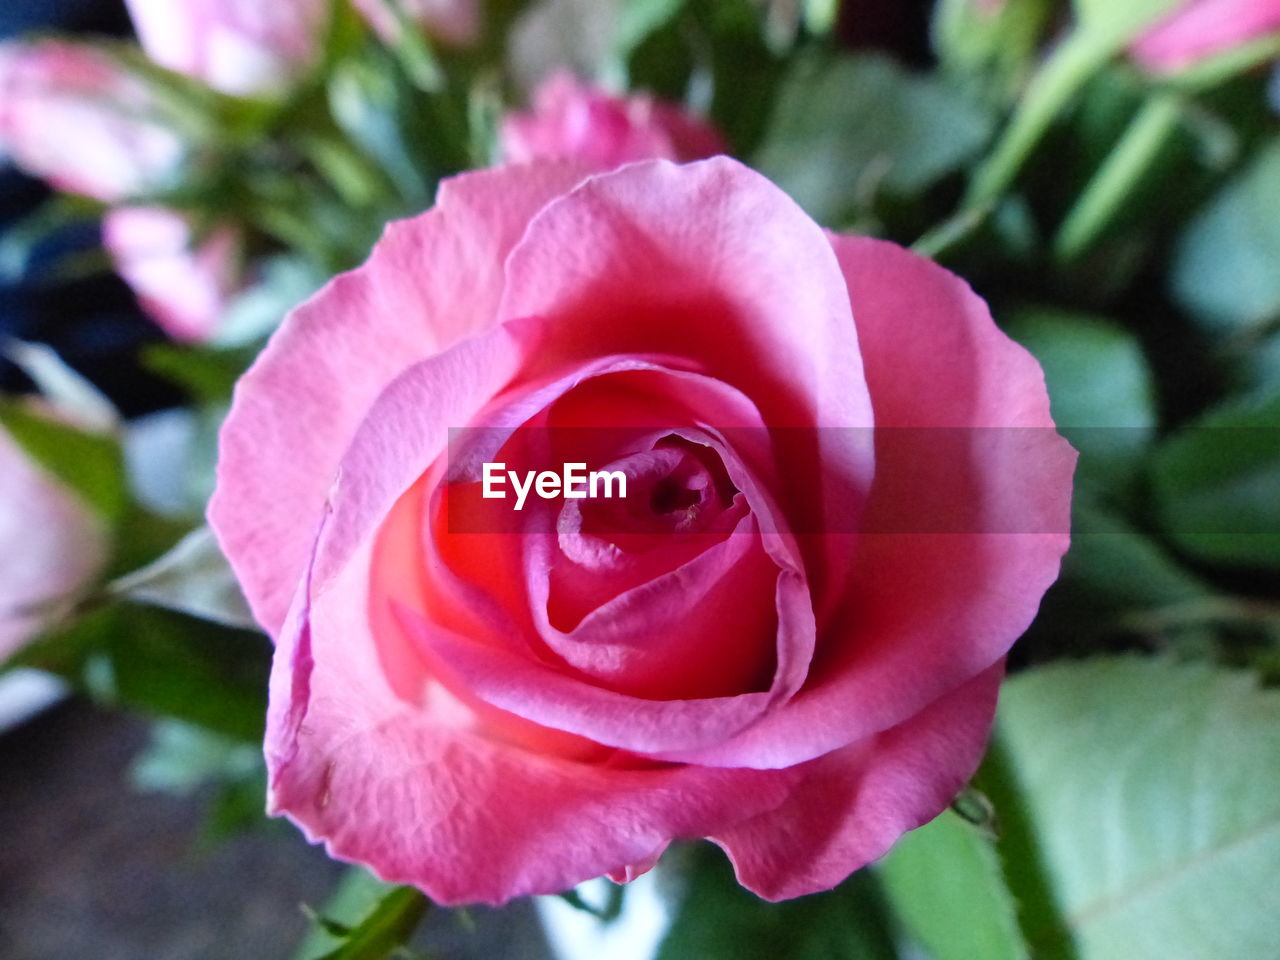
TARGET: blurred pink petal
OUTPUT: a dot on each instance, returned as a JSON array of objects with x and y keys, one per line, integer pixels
[
  {"x": 70, "y": 116},
  {"x": 183, "y": 284},
  {"x": 240, "y": 47},
  {"x": 572, "y": 121},
  {"x": 318, "y": 376},
  {"x": 1200, "y": 29},
  {"x": 51, "y": 547}
]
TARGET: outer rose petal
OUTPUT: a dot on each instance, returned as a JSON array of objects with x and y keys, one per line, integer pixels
[
  {"x": 432, "y": 281},
  {"x": 70, "y": 116},
  {"x": 411, "y": 788},
  {"x": 855, "y": 802},
  {"x": 185, "y": 287},
  {"x": 50, "y": 546},
  {"x": 1200, "y": 29},
  {"x": 236, "y": 46},
  {"x": 935, "y": 607}
]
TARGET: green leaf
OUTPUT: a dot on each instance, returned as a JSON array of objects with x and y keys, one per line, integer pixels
[
  {"x": 76, "y": 399},
  {"x": 193, "y": 578},
  {"x": 383, "y": 115},
  {"x": 412, "y": 48},
  {"x": 735, "y": 60},
  {"x": 21, "y": 240},
  {"x": 640, "y": 19},
  {"x": 1258, "y": 370},
  {"x": 162, "y": 663},
  {"x": 996, "y": 44},
  {"x": 846, "y": 128},
  {"x": 1216, "y": 486},
  {"x": 945, "y": 885},
  {"x": 181, "y": 758},
  {"x": 208, "y": 375},
  {"x": 171, "y": 455},
  {"x": 1150, "y": 796},
  {"x": 1224, "y": 269},
  {"x": 719, "y": 919},
  {"x": 1121, "y": 568},
  {"x": 91, "y": 464},
  {"x": 1100, "y": 389},
  {"x": 251, "y": 316}
]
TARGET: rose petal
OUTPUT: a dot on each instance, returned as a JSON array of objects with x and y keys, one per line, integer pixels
[
  {"x": 414, "y": 790},
  {"x": 51, "y": 546},
  {"x": 430, "y": 282},
  {"x": 855, "y": 802},
  {"x": 937, "y": 608},
  {"x": 710, "y": 261}
]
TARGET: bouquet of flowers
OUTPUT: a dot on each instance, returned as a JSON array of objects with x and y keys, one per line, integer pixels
[{"x": 847, "y": 433}]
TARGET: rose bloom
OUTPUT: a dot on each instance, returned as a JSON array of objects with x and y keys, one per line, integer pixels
[
  {"x": 70, "y": 116},
  {"x": 241, "y": 47},
  {"x": 1199, "y": 29},
  {"x": 571, "y": 121},
  {"x": 185, "y": 283},
  {"x": 759, "y": 646},
  {"x": 51, "y": 547},
  {"x": 454, "y": 22}
]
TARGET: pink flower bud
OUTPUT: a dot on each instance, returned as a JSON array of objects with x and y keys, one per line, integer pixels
[
  {"x": 182, "y": 281},
  {"x": 68, "y": 114},
  {"x": 242, "y": 47},
  {"x": 51, "y": 547},
  {"x": 1200, "y": 29},
  {"x": 572, "y": 121}
]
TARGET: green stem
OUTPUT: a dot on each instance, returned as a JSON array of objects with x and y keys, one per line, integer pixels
[
  {"x": 952, "y": 232},
  {"x": 1202, "y": 612},
  {"x": 1066, "y": 71},
  {"x": 1125, "y": 168},
  {"x": 1022, "y": 856},
  {"x": 351, "y": 175}
]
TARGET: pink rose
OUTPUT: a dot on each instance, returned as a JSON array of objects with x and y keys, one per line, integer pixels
[
  {"x": 70, "y": 116},
  {"x": 51, "y": 547},
  {"x": 1200, "y": 29},
  {"x": 788, "y": 637},
  {"x": 184, "y": 285},
  {"x": 242, "y": 47},
  {"x": 570, "y": 121},
  {"x": 455, "y": 22}
]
